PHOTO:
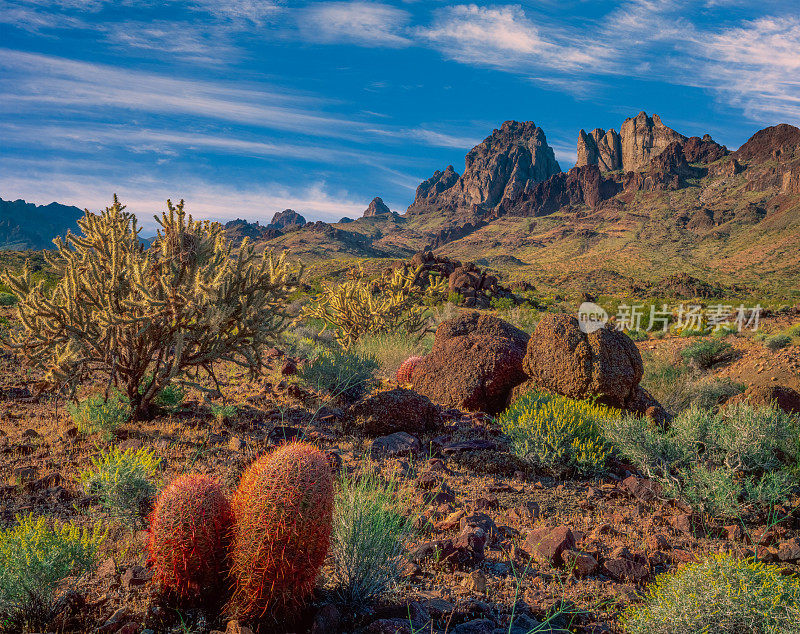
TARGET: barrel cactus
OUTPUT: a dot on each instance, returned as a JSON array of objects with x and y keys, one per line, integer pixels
[
  {"x": 189, "y": 529},
  {"x": 283, "y": 512},
  {"x": 406, "y": 369}
]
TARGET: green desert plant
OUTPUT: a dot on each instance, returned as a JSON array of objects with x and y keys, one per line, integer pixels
[
  {"x": 189, "y": 529},
  {"x": 557, "y": 432},
  {"x": 221, "y": 412},
  {"x": 8, "y": 299},
  {"x": 283, "y": 509},
  {"x": 368, "y": 539},
  {"x": 341, "y": 373},
  {"x": 124, "y": 481},
  {"x": 776, "y": 342},
  {"x": 127, "y": 311},
  {"x": 720, "y": 595},
  {"x": 35, "y": 556},
  {"x": 708, "y": 353},
  {"x": 394, "y": 303},
  {"x": 100, "y": 414},
  {"x": 718, "y": 461},
  {"x": 502, "y": 304}
]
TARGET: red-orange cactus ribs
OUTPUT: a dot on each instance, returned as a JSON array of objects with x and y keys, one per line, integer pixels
[
  {"x": 283, "y": 509},
  {"x": 189, "y": 529},
  {"x": 406, "y": 368}
]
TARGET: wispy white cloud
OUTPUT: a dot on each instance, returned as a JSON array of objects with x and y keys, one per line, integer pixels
[
  {"x": 369, "y": 24},
  {"x": 253, "y": 12}
]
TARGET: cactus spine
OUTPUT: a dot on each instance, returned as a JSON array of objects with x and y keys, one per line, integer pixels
[
  {"x": 189, "y": 529},
  {"x": 283, "y": 511}
]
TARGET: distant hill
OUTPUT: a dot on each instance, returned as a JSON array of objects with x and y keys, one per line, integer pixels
[
  {"x": 674, "y": 205},
  {"x": 25, "y": 225}
]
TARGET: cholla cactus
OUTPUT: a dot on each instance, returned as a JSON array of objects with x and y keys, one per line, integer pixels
[
  {"x": 357, "y": 306},
  {"x": 131, "y": 312}
]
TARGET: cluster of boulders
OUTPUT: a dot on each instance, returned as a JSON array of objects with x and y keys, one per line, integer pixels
[
  {"x": 480, "y": 363},
  {"x": 477, "y": 287}
]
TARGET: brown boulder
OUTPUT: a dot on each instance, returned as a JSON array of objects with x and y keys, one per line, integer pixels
[
  {"x": 475, "y": 362},
  {"x": 547, "y": 545},
  {"x": 563, "y": 359},
  {"x": 783, "y": 397},
  {"x": 395, "y": 410}
]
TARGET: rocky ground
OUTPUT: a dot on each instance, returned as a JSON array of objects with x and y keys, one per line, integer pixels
[{"x": 493, "y": 541}]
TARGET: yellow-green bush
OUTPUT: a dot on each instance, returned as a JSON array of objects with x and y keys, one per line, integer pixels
[
  {"x": 557, "y": 432},
  {"x": 720, "y": 595},
  {"x": 99, "y": 414},
  {"x": 124, "y": 481},
  {"x": 35, "y": 556}
]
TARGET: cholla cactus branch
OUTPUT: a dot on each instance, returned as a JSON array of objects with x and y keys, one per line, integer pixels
[{"x": 132, "y": 312}]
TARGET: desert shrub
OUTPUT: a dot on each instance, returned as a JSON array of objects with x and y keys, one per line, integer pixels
[
  {"x": 368, "y": 538},
  {"x": 708, "y": 392},
  {"x": 776, "y": 342},
  {"x": 127, "y": 311},
  {"x": 454, "y": 297},
  {"x": 8, "y": 299},
  {"x": 523, "y": 317},
  {"x": 724, "y": 331},
  {"x": 35, "y": 556},
  {"x": 637, "y": 335},
  {"x": 341, "y": 373},
  {"x": 124, "y": 481},
  {"x": 793, "y": 331},
  {"x": 720, "y": 595},
  {"x": 221, "y": 412},
  {"x": 718, "y": 461},
  {"x": 394, "y": 303},
  {"x": 390, "y": 350},
  {"x": 502, "y": 303},
  {"x": 98, "y": 414},
  {"x": 556, "y": 432},
  {"x": 707, "y": 354}
]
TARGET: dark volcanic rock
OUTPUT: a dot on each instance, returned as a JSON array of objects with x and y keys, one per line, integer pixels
[
  {"x": 563, "y": 359},
  {"x": 376, "y": 208},
  {"x": 776, "y": 142},
  {"x": 705, "y": 150},
  {"x": 780, "y": 396},
  {"x": 395, "y": 410},
  {"x": 579, "y": 186},
  {"x": 513, "y": 157},
  {"x": 237, "y": 230},
  {"x": 429, "y": 190},
  {"x": 475, "y": 362},
  {"x": 287, "y": 219}
]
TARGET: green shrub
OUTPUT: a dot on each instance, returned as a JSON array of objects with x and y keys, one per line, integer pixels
[
  {"x": 709, "y": 392},
  {"x": 777, "y": 342},
  {"x": 637, "y": 335},
  {"x": 707, "y": 354},
  {"x": 720, "y": 595},
  {"x": 35, "y": 556},
  {"x": 341, "y": 373},
  {"x": 390, "y": 350},
  {"x": 724, "y": 331},
  {"x": 555, "y": 432},
  {"x": 124, "y": 481},
  {"x": 98, "y": 414},
  {"x": 718, "y": 461},
  {"x": 502, "y": 303},
  {"x": 794, "y": 331},
  {"x": 8, "y": 299},
  {"x": 221, "y": 413},
  {"x": 368, "y": 538},
  {"x": 454, "y": 297}
]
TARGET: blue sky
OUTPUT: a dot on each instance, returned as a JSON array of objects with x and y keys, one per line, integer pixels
[{"x": 247, "y": 107}]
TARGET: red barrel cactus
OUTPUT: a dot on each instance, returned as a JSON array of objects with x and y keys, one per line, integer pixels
[
  {"x": 189, "y": 529},
  {"x": 283, "y": 511},
  {"x": 406, "y": 368}
]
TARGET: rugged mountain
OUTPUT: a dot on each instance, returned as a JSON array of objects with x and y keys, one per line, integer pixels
[
  {"x": 505, "y": 163},
  {"x": 237, "y": 230},
  {"x": 287, "y": 219},
  {"x": 600, "y": 148},
  {"x": 25, "y": 225},
  {"x": 640, "y": 139},
  {"x": 376, "y": 208}
]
